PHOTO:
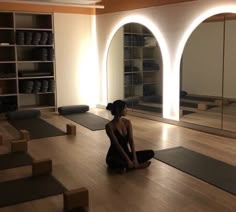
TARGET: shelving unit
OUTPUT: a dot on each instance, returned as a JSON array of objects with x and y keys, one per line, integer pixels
[
  {"x": 141, "y": 62},
  {"x": 27, "y": 67}
]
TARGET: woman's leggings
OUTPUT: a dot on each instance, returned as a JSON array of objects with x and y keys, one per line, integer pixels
[{"x": 117, "y": 161}]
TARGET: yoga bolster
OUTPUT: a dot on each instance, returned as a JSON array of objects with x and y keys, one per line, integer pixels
[
  {"x": 23, "y": 114},
  {"x": 131, "y": 101},
  {"x": 66, "y": 110},
  {"x": 157, "y": 99}
]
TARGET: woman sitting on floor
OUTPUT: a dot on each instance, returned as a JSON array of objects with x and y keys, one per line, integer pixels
[{"x": 122, "y": 153}]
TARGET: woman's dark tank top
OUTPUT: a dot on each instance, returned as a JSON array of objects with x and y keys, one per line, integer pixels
[{"x": 123, "y": 141}]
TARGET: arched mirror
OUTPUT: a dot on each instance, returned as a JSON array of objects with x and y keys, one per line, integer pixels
[
  {"x": 134, "y": 69},
  {"x": 208, "y": 90}
]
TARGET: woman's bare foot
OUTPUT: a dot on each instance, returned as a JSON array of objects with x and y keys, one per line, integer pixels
[{"x": 143, "y": 165}]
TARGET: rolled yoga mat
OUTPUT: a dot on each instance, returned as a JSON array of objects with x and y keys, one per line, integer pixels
[
  {"x": 212, "y": 171},
  {"x": 28, "y": 189}
]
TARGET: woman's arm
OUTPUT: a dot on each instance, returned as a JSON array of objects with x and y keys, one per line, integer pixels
[
  {"x": 131, "y": 141},
  {"x": 113, "y": 139}
]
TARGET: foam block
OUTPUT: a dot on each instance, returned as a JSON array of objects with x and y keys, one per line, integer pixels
[
  {"x": 41, "y": 167},
  {"x": 66, "y": 110},
  {"x": 78, "y": 198},
  {"x": 19, "y": 146},
  {"x": 71, "y": 129},
  {"x": 23, "y": 114}
]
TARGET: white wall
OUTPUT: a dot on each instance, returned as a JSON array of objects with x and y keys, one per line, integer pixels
[
  {"x": 172, "y": 25},
  {"x": 203, "y": 60},
  {"x": 76, "y": 59},
  {"x": 115, "y": 65},
  {"x": 230, "y": 60}
]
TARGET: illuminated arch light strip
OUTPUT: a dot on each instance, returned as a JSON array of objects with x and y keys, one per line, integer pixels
[
  {"x": 161, "y": 42},
  {"x": 176, "y": 70}
]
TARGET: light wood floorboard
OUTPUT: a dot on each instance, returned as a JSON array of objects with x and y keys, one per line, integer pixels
[{"x": 79, "y": 161}]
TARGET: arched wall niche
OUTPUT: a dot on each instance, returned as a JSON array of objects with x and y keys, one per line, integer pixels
[
  {"x": 161, "y": 42},
  {"x": 135, "y": 68},
  {"x": 207, "y": 69}
]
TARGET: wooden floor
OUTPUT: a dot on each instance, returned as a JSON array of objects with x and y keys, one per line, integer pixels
[{"x": 79, "y": 161}]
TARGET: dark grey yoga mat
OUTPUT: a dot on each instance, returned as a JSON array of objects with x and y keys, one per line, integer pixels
[
  {"x": 88, "y": 120},
  {"x": 194, "y": 105},
  {"x": 13, "y": 160},
  {"x": 212, "y": 171},
  {"x": 199, "y": 98},
  {"x": 28, "y": 189},
  {"x": 37, "y": 127}
]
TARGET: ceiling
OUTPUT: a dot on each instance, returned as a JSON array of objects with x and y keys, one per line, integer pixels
[
  {"x": 61, "y": 2},
  {"x": 68, "y": 1}
]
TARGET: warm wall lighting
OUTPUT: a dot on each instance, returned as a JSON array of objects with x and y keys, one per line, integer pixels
[
  {"x": 231, "y": 8},
  {"x": 88, "y": 62},
  {"x": 162, "y": 44}
]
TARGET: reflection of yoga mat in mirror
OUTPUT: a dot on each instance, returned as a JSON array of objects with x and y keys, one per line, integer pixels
[
  {"x": 13, "y": 160},
  {"x": 30, "y": 120},
  {"x": 194, "y": 105},
  {"x": 28, "y": 189},
  {"x": 212, "y": 171},
  {"x": 154, "y": 109},
  {"x": 199, "y": 98}
]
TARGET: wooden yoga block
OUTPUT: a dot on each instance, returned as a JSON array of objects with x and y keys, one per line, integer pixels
[
  {"x": 202, "y": 106},
  {"x": 25, "y": 135},
  {"x": 77, "y": 198},
  {"x": 42, "y": 167},
  {"x": 19, "y": 146},
  {"x": 71, "y": 129}
]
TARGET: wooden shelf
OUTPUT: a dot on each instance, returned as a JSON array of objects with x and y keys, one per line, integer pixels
[
  {"x": 138, "y": 57},
  {"x": 19, "y": 56}
]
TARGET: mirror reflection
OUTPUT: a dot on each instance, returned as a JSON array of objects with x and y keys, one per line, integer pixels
[
  {"x": 134, "y": 69},
  {"x": 208, "y": 90}
]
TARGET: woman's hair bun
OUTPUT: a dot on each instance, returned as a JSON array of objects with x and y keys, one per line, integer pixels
[{"x": 109, "y": 106}]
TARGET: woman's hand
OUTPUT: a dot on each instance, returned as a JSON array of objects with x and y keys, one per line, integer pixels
[
  {"x": 136, "y": 164},
  {"x": 130, "y": 164}
]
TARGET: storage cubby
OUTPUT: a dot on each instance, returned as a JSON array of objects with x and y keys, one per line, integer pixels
[
  {"x": 8, "y": 86},
  {"x": 29, "y": 53},
  {"x": 40, "y": 101},
  {"x": 36, "y": 86},
  {"x": 7, "y": 53},
  {"x": 27, "y": 59},
  {"x": 6, "y": 20},
  {"x": 8, "y": 103},
  {"x": 35, "y": 70},
  {"x": 141, "y": 62},
  {"x": 33, "y": 21},
  {"x": 7, "y": 70},
  {"x": 7, "y": 37}
]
